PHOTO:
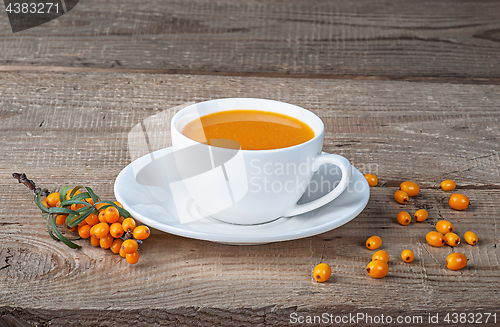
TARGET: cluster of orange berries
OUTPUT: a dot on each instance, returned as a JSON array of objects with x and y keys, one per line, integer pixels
[
  {"x": 102, "y": 222},
  {"x": 113, "y": 235},
  {"x": 444, "y": 234},
  {"x": 410, "y": 189},
  {"x": 444, "y": 229},
  {"x": 378, "y": 267}
]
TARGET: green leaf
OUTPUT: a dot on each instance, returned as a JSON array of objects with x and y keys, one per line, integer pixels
[
  {"x": 48, "y": 228},
  {"x": 80, "y": 218},
  {"x": 80, "y": 196},
  {"x": 74, "y": 190},
  {"x": 70, "y": 218},
  {"x": 62, "y": 194},
  {"x": 39, "y": 203},
  {"x": 64, "y": 211},
  {"x": 61, "y": 237},
  {"x": 70, "y": 202},
  {"x": 94, "y": 197},
  {"x": 84, "y": 208}
]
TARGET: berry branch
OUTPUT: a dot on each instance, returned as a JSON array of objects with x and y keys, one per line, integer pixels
[{"x": 106, "y": 223}]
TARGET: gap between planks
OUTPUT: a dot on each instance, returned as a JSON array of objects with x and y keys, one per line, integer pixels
[{"x": 424, "y": 79}]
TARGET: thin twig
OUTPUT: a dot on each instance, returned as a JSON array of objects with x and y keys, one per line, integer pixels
[{"x": 21, "y": 178}]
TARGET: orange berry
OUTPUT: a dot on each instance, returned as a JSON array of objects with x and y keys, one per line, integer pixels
[
  {"x": 84, "y": 231},
  {"x": 444, "y": 226},
  {"x": 111, "y": 215},
  {"x": 421, "y": 215},
  {"x": 52, "y": 199},
  {"x": 129, "y": 246},
  {"x": 410, "y": 188},
  {"x": 94, "y": 241},
  {"x": 371, "y": 179},
  {"x": 118, "y": 204},
  {"x": 116, "y": 230},
  {"x": 100, "y": 205},
  {"x": 452, "y": 239},
  {"x": 89, "y": 200},
  {"x": 82, "y": 223},
  {"x": 61, "y": 219},
  {"x": 435, "y": 239},
  {"x": 129, "y": 223},
  {"x": 381, "y": 255},
  {"x": 141, "y": 232},
  {"x": 92, "y": 219},
  {"x": 132, "y": 258},
  {"x": 101, "y": 216},
  {"x": 73, "y": 229},
  {"x": 401, "y": 197},
  {"x": 76, "y": 206},
  {"x": 92, "y": 229},
  {"x": 45, "y": 203},
  {"x": 120, "y": 220},
  {"x": 373, "y": 242},
  {"x": 116, "y": 245},
  {"x": 106, "y": 241},
  {"x": 100, "y": 230},
  {"x": 448, "y": 185},
  {"x": 456, "y": 261},
  {"x": 407, "y": 255},
  {"x": 121, "y": 253},
  {"x": 459, "y": 201},
  {"x": 322, "y": 272},
  {"x": 377, "y": 269},
  {"x": 470, "y": 238},
  {"x": 403, "y": 218}
]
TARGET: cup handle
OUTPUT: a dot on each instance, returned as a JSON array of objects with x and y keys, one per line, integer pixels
[{"x": 346, "y": 168}]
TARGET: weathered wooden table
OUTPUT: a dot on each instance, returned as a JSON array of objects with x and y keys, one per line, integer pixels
[{"x": 409, "y": 90}]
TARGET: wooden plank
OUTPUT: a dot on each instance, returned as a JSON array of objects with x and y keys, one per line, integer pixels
[
  {"x": 404, "y": 39},
  {"x": 72, "y": 128},
  {"x": 266, "y": 316},
  {"x": 453, "y": 128}
]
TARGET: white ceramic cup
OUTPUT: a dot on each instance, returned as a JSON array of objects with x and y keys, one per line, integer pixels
[{"x": 255, "y": 186}]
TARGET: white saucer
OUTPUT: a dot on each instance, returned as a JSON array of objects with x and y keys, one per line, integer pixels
[{"x": 153, "y": 206}]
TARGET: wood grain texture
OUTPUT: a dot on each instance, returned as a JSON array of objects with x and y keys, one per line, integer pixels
[
  {"x": 446, "y": 39},
  {"x": 64, "y": 128}
]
